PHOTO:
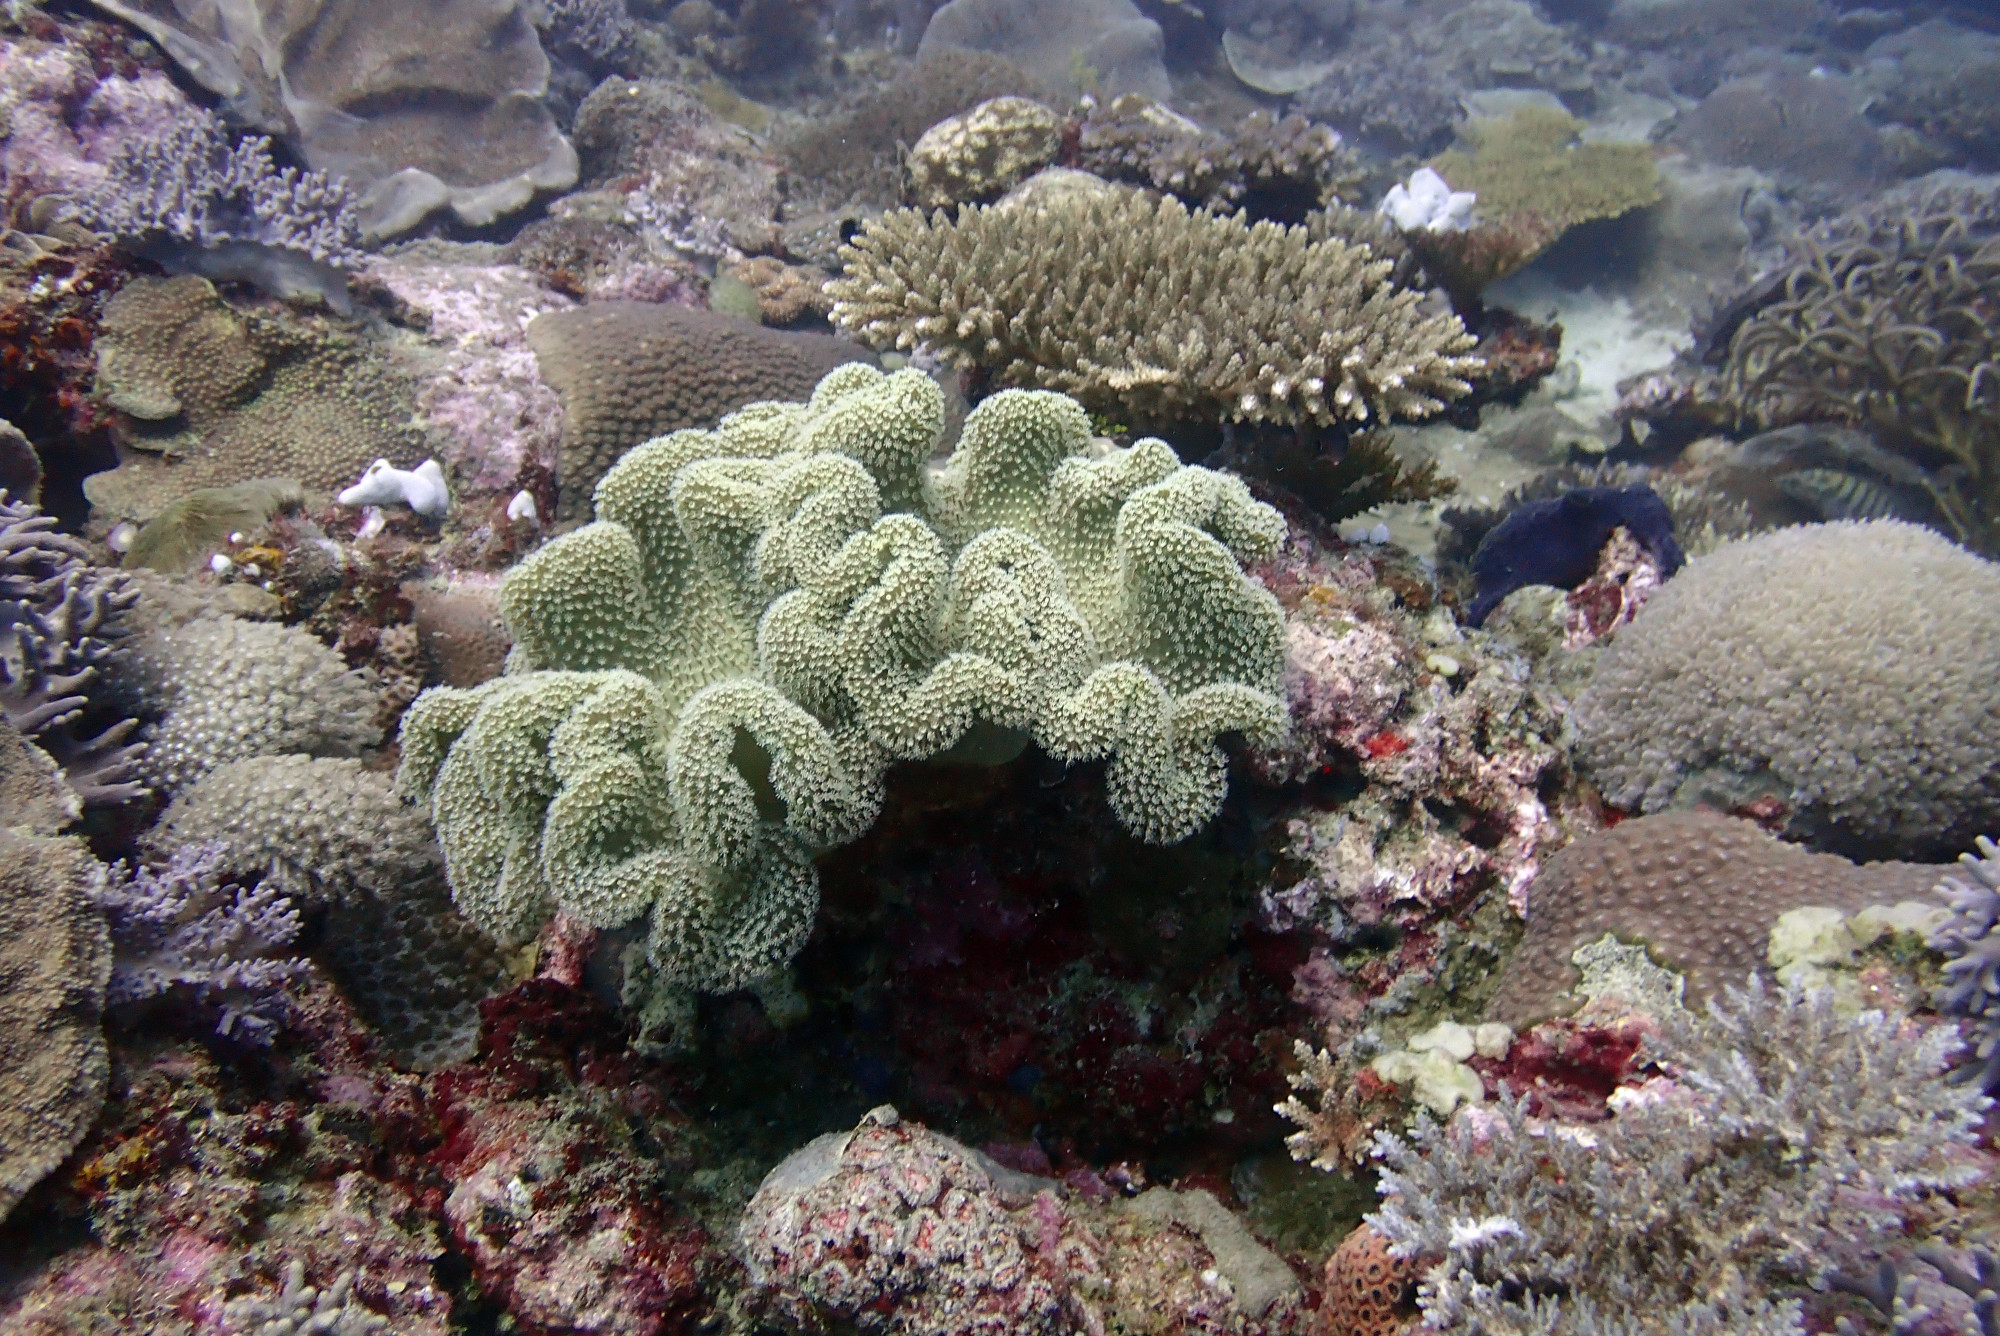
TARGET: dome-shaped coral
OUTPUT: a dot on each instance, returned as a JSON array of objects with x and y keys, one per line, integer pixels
[{"x": 1846, "y": 669}]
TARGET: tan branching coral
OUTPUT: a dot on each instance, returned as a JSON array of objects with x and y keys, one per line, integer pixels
[
  {"x": 1885, "y": 316},
  {"x": 1143, "y": 309}
]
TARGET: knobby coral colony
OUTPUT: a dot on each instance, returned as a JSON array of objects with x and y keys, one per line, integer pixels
[
  {"x": 1884, "y": 317},
  {"x": 1147, "y": 311},
  {"x": 709, "y": 682}
]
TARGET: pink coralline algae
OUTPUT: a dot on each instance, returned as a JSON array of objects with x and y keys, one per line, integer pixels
[
  {"x": 60, "y": 122},
  {"x": 896, "y": 1229},
  {"x": 1626, "y": 576},
  {"x": 487, "y": 412},
  {"x": 1452, "y": 748}
]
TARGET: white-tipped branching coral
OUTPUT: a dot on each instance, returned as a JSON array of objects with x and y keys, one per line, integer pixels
[{"x": 709, "y": 682}]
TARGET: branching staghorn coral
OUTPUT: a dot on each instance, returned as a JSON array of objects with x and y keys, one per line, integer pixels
[
  {"x": 1885, "y": 316},
  {"x": 1790, "y": 1136},
  {"x": 709, "y": 682},
  {"x": 1144, "y": 310}
]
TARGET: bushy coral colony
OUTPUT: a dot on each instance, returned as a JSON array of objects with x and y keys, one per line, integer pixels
[{"x": 796, "y": 667}]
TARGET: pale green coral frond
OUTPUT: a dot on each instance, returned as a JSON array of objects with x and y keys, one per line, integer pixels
[{"x": 731, "y": 656}]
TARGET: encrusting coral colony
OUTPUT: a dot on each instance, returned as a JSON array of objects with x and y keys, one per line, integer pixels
[{"x": 793, "y": 668}]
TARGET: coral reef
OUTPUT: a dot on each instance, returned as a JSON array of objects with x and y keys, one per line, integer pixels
[
  {"x": 1106, "y": 47},
  {"x": 1370, "y": 1291},
  {"x": 209, "y": 397},
  {"x": 538, "y": 1170},
  {"x": 419, "y": 110},
  {"x": 224, "y": 690},
  {"x": 1397, "y": 80},
  {"x": 591, "y": 32},
  {"x": 190, "y": 529},
  {"x": 683, "y": 173},
  {"x": 487, "y": 413},
  {"x": 1838, "y": 668},
  {"x": 194, "y": 202},
  {"x": 56, "y": 959},
  {"x": 61, "y": 623},
  {"x": 1557, "y": 541},
  {"x": 462, "y": 634},
  {"x": 1092, "y": 603},
  {"x": 630, "y": 371},
  {"x": 317, "y": 828},
  {"x": 1700, "y": 890},
  {"x": 1094, "y": 294},
  {"x": 856, "y": 155},
  {"x": 178, "y": 929},
  {"x": 1972, "y": 953},
  {"x": 1881, "y": 317},
  {"x": 1789, "y": 1138}
]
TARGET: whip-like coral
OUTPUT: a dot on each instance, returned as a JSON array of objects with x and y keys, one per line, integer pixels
[
  {"x": 60, "y": 624},
  {"x": 1883, "y": 316},
  {"x": 1140, "y": 308},
  {"x": 708, "y": 683},
  {"x": 1788, "y": 1138}
]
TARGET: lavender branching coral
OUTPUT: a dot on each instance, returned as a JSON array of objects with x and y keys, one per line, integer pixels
[
  {"x": 181, "y": 927},
  {"x": 1788, "y": 1138},
  {"x": 60, "y": 622},
  {"x": 1972, "y": 973},
  {"x": 190, "y": 199}
]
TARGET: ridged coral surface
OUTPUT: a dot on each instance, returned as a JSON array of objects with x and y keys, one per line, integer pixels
[
  {"x": 1845, "y": 668},
  {"x": 1138, "y": 306},
  {"x": 1701, "y": 890},
  {"x": 708, "y": 683},
  {"x": 55, "y": 960}
]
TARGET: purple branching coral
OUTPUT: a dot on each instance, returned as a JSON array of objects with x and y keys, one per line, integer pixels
[
  {"x": 591, "y": 31},
  {"x": 181, "y": 927},
  {"x": 194, "y": 201},
  {"x": 1972, "y": 973},
  {"x": 60, "y": 622}
]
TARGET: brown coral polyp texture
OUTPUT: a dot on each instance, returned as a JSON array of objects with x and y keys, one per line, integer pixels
[{"x": 1700, "y": 890}]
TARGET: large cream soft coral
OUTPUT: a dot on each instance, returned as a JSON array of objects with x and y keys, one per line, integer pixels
[{"x": 709, "y": 682}]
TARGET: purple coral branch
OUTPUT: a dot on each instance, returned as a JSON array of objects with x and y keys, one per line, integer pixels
[
  {"x": 180, "y": 927},
  {"x": 189, "y": 184},
  {"x": 60, "y": 622}
]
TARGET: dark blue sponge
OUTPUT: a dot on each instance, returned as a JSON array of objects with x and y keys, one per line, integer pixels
[{"x": 1556, "y": 542}]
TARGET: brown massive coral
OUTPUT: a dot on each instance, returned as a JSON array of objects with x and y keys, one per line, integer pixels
[
  {"x": 1699, "y": 889},
  {"x": 1137, "y": 307},
  {"x": 55, "y": 960},
  {"x": 209, "y": 396},
  {"x": 630, "y": 371}
]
